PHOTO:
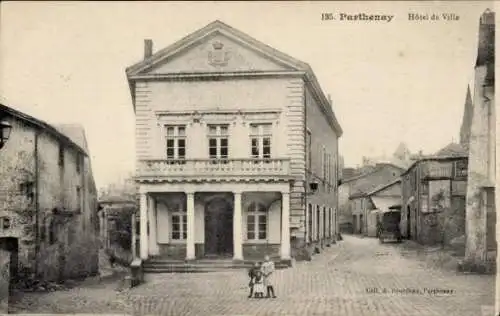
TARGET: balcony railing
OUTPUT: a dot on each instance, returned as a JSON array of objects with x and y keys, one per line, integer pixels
[
  {"x": 213, "y": 167},
  {"x": 438, "y": 172}
]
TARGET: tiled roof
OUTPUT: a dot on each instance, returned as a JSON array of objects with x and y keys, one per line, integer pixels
[{"x": 41, "y": 124}]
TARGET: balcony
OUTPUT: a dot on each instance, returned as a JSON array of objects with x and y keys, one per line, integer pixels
[
  {"x": 451, "y": 170},
  {"x": 213, "y": 168}
]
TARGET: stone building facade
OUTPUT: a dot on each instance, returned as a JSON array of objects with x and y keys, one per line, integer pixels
[
  {"x": 231, "y": 135},
  {"x": 48, "y": 199}
]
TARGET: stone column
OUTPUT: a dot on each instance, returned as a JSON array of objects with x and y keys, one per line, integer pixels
[
  {"x": 285, "y": 225},
  {"x": 152, "y": 241},
  {"x": 133, "y": 240},
  {"x": 190, "y": 249},
  {"x": 144, "y": 226},
  {"x": 237, "y": 231}
]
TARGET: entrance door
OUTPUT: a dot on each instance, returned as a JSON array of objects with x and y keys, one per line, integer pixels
[
  {"x": 11, "y": 245},
  {"x": 218, "y": 228}
]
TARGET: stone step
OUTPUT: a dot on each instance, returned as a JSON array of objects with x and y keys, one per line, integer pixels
[{"x": 154, "y": 266}]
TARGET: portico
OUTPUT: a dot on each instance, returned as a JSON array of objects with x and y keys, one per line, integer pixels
[{"x": 239, "y": 220}]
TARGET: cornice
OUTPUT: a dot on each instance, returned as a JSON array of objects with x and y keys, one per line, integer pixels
[
  {"x": 188, "y": 76},
  {"x": 200, "y": 179}
]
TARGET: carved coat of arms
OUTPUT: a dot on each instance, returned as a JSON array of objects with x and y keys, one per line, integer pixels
[{"x": 218, "y": 56}]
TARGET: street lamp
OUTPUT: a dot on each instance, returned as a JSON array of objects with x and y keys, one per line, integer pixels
[{"x": 5, "y": 129}]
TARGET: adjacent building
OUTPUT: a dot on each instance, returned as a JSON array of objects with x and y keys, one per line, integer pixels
[
  {"x": 433, "y": 199},
  {"x": 355, "y": 203},
  {"x": 481, "y": 211},
  {"x": 48, "y": 199},
  {"x": 236, "y": 147}
]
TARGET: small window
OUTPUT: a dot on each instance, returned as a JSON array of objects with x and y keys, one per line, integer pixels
[
  {"x": 61, "y": 155},
  {"x": 79, "y": 163},
  {"x": 27, "y": 190},
  {"x": 5, "y": 222}
]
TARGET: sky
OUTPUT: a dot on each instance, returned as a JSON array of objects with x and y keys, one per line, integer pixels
[{"x": 390, "y": 82}]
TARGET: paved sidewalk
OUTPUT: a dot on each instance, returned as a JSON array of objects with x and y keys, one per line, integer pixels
[{"x": 356, "y": 277}]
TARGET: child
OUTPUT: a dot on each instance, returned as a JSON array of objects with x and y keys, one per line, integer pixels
[
  {"x": 252, "y": 274},
  {"x": 258, "y": 284}
]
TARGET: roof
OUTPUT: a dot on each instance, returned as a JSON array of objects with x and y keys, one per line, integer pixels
[
  {"x": 452, "y": 149},
  {"x": 384, "y": 186},
  {"x": 378, "y": 167},
  {"x": 218, "y": 26},
  {"x": 42, "y": 125},
  {"x": 434, "y": 158}
]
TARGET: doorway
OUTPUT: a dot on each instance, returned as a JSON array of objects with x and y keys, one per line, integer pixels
[
  {"x": 11, "y": 245},
  {"x": 219, "y": 228}
]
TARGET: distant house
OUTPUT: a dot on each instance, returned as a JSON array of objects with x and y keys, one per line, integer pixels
[
  {"x": 48, "y": 199},
  {"x": 433, "y": 199},
  {"x": 384, "y": 198},
  {"x": 353, "y": 201}
]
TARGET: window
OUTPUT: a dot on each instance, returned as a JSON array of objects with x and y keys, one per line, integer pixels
[
  {"x": 218, "y": 143},
  {"x": 61, "y": 155},
  {"x": 310, "y": 222},
  {"x": 179, "y": 223},
  {"x": 260, "y": 135},
  {"x": 27, "y": 189},
  {"x": 52, "y": 232},
  {"x": 309, "y": 150},
  {"x": 460, "y": 168},
  {"x": 79, "y": 163},
  {"x": 5, "y": 223},
  {"x": 257, "y": 222},
  {"x": 324, "y": 221},
  {"x": 79, "y": 198},
  {"x": 317, "y": 222},
  {"x": 324, "y": 162},
  {"x": 330, "y": 215},
  {"x": 176, "y": 143}
]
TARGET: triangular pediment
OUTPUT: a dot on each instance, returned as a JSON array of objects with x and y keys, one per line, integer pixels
[{"x": 216, "y": 48}]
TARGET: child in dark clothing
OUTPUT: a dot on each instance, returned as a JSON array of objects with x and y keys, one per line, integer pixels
[{"x": 252, "y": 274}]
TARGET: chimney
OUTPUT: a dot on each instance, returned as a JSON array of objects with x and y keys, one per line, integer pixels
[
  {"x": 330, "y": 99},
  {"x": 148, "y": 48}
]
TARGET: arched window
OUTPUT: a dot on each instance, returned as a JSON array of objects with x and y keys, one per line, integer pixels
[
  {"x": 179, "y": 222},
  {"x": 256, "y": 222}
]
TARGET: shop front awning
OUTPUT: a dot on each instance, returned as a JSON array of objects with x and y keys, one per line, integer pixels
[{"x": 385, "y": 204}]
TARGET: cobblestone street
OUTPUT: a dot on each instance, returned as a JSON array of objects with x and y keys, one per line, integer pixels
[{"x": 340, "y": 281}]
